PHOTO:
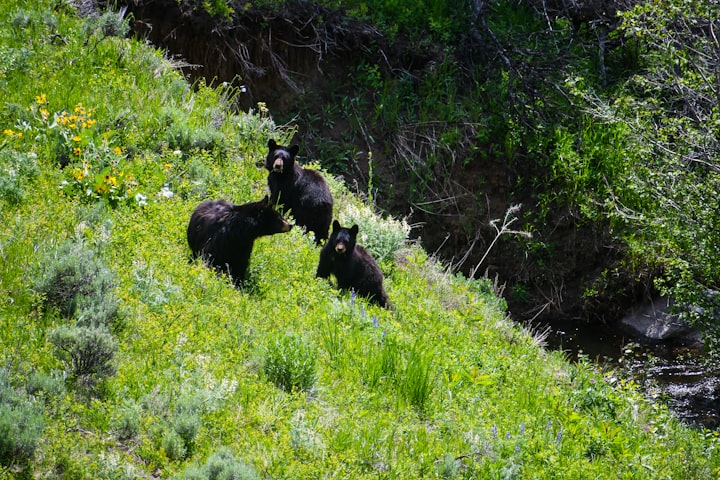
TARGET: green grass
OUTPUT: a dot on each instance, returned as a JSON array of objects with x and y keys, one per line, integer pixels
[{"x": 443, "y": 386}]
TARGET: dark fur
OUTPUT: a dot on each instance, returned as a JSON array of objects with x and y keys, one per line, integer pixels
[
  {"x": 298, "y": 190},
  {"x": 353, "y": 267},
  {"x": 224, "y": 233}
]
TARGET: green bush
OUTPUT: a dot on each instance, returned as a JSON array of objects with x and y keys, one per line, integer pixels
[
  {"x": 21, "y": 425},
  {"x": 382, "y": 237},
  {"x": 290, "y": 362},
  {"x": 221, "y": 465},
  {"x": 76, "y": 282},
  {"x": 173, "y": 445},
  {"x": 88, "y": 352},
  {"x": 17, "y": 170}
]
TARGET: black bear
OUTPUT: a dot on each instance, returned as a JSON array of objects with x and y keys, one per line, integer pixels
[
  {"x": 352, "y": 265},
  {"x": 302, "y": 191},
  {"x": 223, "y": 233}
]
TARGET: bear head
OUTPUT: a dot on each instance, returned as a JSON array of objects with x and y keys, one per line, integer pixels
[
  {"x": 280, "y": 159},
  {"x": 343, "y": 239},
  {"x": 269, "y": 220}
]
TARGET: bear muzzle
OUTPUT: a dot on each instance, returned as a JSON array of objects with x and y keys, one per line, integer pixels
[
  {"x": 278, "y": 165},
  {"x": 286, "y": 226},
  {"x": 340, "y": 247}
]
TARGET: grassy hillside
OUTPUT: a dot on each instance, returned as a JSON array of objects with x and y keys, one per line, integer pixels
[{"x": 121, "y": 358}]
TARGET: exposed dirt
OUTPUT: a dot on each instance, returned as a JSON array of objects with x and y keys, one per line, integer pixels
[{"x": 282, "y": 56}]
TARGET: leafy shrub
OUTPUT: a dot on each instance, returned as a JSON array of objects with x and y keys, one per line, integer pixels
[
  {"x": 220, "y": 466},
  {"x": 21, "y": 425},
  {"x": 17, "y": 170},
  {"x": 290, "y": 362},
  {"x": 173, "y": 445},
  {"x": 88, "y": 351},
  {"x": 382, "y": 237}
]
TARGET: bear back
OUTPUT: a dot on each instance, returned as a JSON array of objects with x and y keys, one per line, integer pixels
[{"x": 224, "y": 233}]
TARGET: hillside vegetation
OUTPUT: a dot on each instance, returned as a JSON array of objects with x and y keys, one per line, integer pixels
[
  {"x": 599, "y": 117},
  {"x": 122, "y": 358}
]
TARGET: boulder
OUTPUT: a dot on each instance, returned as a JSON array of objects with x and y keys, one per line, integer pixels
[{"x": 653, "y": 321}]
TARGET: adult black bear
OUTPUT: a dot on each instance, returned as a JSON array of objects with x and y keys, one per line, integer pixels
[
  {"x": 353, "y": 267},
  {"x": 300, "y": 190},
  {"x": 224, "y": 233}
]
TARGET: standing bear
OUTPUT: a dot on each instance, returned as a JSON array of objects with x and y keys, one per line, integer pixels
[
  {"x": 300, "y": 190},
  {"x": 353, "y": 267},
  {"x": 224, "y": 233}
]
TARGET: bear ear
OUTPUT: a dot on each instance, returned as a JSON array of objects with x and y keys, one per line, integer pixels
[
  {"x": 271, "y": 144},
  {"x": 336, "y": 226},
  {"x": 294, "y": 150},
  {"x": 354, "y": 230}
]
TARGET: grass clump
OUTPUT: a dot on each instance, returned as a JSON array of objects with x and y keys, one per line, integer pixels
[{"x": 290, "y": 362}]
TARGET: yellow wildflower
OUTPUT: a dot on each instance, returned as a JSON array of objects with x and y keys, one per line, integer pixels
[
  {"x": 77, "y": 150},
  {"x": 44, "y": 113},
  {"x": 19, "y": 134},
  {"x": 78, "y": 173},
  {"x": 72, "y": 126},
  {"x": 111, "y": 180},
  {"x": 77, "y": 138},
  {"x": 8, "y": 132},
  {"x": 41, "y": 99},
  {"x": 117, "y": 151}
]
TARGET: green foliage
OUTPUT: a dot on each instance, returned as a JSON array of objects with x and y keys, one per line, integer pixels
[
  {"x": 87, "y": 351},
  {"x": 19, "y": 170},
  {"x": 76, "y": 282},
  {"x": 290, "y": 362},
  {"x": 221, "y": 465},
  {"x": 382, "y": 237},
  {"x": 195, "y": 383},
  {"x": 21, "y": 425}
]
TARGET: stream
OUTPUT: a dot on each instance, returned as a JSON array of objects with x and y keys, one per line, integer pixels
[{"x": 667, "y": 373}]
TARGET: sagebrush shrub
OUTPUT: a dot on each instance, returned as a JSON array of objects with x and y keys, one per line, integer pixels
[
  {"x": 76, "y": 281},
  {"x": 290, "y": 362},
  {"x": 173, "y": 445},
  {"x": 87, "y": 351},
  {"x": 221, "y": 465},
  {"x": 21, "y": 425}
]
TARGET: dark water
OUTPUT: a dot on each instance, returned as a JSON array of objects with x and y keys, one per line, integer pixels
[{"x": 669, "y": 373}]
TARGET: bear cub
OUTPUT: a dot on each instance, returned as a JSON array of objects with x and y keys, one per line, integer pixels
[
  {"x": 223, "y": 233},
  {"x": 353, "y": 267},
  {"x": 298, "y": 190}
]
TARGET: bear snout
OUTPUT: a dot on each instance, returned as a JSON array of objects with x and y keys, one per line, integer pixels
[
  {"x": 340, "y": 247},
  {"x": 286, "y": 226},
  {"x": 278, "y": 165}
]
